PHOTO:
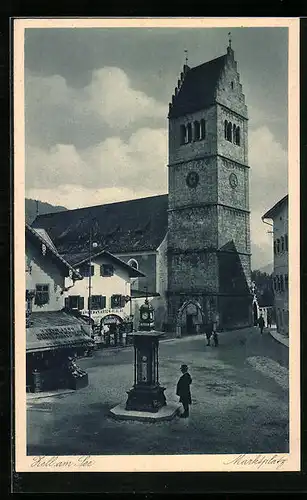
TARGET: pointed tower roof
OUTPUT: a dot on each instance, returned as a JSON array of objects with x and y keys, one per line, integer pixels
[{"x": 197, "y": 90}]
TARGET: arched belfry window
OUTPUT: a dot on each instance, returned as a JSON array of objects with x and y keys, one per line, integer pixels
[
  {"x": 237, "y": 136},
  {"x": 189, "y": 132},
  {"x": 196, "y": 131},
  {"x": 229, "y": 132},
  {"x": 234, "y": 132},
  {"x": 202, "y": 128},
  {"x": 183, "y": 134},
  {"x": 225, "y": 128}
]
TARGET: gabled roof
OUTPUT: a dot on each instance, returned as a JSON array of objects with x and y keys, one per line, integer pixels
[
  {"x": 270, "y": 214},
  {"x": 43, "y": 233},
  {"x": 197, "y": 90},
  {"x": 127, "y": 226},
  {"x": 82, "y": 257},
  {"x": 37, "y": 239}
]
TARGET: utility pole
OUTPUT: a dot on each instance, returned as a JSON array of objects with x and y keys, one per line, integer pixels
[{"x": 90, "y": 281}]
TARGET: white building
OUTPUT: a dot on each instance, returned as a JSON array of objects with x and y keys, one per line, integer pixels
[
  {"x": 104, "y": 293},
  {"x": 279, "y": 215}
]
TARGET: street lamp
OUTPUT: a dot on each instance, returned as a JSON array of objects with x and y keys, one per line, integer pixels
[{"x": 92, "y": 245}]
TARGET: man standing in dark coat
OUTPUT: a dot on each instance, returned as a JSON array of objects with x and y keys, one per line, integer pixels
[
  {"x": 183, "y": 390},
  {"x": 261, "y": 323}
]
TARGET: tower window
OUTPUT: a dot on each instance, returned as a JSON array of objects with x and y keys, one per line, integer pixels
[
  {"x": 189, "y": 132},
  {"x": 232, "y": 85},
  {"x": 202, "y": 129},
  {"x": 281, "y": 283},
  {"x": 225, "y": 128},
  {"x": 275, "y": 250},
  {"x": 229, "y": 132},
  {"x": 286, "y": 242},
  {"x": 183, "y": 134},
  {"x": 286, "y": 282},
  {"x": 282, "y": 243},
  {"x": 237, "y": 136},
  {"x": 278, "y": 245},
  {"x": 196, "y": 131},
  {"x": 234, "y": 132}
]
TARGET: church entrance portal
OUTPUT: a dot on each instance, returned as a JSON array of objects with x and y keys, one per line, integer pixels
[{"x": 189, "y": 319}]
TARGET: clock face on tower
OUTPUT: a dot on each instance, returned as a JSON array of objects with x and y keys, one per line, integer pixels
[
  {"x": 192, "y": 179},
  {"x": 233, "y": 180}
]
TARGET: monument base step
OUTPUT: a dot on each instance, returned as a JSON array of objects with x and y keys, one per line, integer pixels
[{"x": 167, "y": 412}]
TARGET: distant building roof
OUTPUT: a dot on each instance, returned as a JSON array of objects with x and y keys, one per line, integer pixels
[
  {"x": 197, "y": 90},
  {"x": 126, "y": 226},
  {"x": 270, "y": 214},
  {"x": 81, "y": 257},
  {"x": 37, "y": 238}
]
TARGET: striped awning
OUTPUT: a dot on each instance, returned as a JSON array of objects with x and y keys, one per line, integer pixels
[{"x": 56, "y": 337}]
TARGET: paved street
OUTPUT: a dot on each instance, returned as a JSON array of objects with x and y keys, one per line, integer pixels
[{"x": 239, "y": 396}]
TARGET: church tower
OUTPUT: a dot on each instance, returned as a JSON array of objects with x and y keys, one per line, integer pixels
[{"x": 208, "y": 216}]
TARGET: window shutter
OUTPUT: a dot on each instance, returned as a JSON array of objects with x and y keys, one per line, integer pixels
[{"x": 81, "y": 303}]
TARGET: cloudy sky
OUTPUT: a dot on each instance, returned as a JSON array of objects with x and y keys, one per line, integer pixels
[{"x": 96, "y": 104}]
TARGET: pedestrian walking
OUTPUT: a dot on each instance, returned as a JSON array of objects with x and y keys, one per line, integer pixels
[
  {"x": 214, "y": 334},
  {"x": 269, "y": 321},
  {"x": 215, "y": 339},
  {"x": 183, "y": 390},
  {"x": 209, "y": 333},
  {"x": 261, "y": 323}
]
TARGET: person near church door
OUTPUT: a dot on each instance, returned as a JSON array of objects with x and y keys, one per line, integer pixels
[
  {"x": 183, "y": 390},
  {"x": 261, "y": 323},
  {"x": 209, "y": 329}
]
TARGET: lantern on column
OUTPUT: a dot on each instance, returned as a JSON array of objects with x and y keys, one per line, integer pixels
[{"x": 146, "y": 394}]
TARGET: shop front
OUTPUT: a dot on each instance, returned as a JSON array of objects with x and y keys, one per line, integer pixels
[
  {"x": 115, "y": 330},
  {"x": 54, "y": 341}
]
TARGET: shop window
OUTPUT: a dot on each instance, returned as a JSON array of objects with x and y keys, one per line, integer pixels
[
  {"x": 117, "y": 301},
  {"x": 196, "y": 131},
  {"x": 189, "y": 132},
  {"x": 74, "y": 302},
  {"x": 202, "y": 129},
  {"x": 97, "y": 302},
  {"x": 41, "y": 295},
  {"x": 85, "y": 270},
  {"x": 106, "y": 270},
  {"x": 183, "y": 134}
]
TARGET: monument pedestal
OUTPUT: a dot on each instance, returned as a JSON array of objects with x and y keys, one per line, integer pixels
[{"x": 146, "y": 398}]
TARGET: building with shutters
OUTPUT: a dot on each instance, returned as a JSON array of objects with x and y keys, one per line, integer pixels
[
  {"x": 192, "y": 244},
  {"x": 104, "y": 293},
  {"x": 278, "y": 214},
  {"x": 52, "y": 335}
]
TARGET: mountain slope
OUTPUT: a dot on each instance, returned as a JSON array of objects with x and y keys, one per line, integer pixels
[{"x": 31, "y": 208}]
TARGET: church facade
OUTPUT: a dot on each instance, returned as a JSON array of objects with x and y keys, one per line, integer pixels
[{"x": 193, "y": 245}]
